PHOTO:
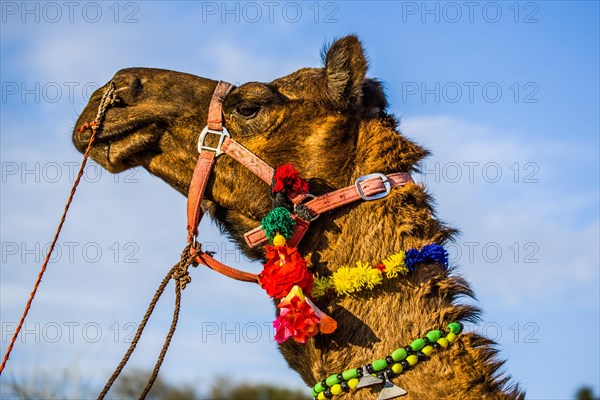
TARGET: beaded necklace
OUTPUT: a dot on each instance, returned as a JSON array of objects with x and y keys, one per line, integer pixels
[{"x": 384, "y": 369}]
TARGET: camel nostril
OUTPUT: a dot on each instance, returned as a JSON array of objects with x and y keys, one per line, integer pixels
[
  {"x": 82, "y": 138},
  {"x": 136, "y": 88},
  {"x": 118, "y": 102}
]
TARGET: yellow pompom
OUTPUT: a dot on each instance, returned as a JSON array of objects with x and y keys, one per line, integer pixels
[
  {"x": 344, "y": 280},
  {"x": 370, "y": 276},
  {"x": 347, "y": 280},
  {"x": 394, "y": 265},
  {"x": 279, "y": 240}
]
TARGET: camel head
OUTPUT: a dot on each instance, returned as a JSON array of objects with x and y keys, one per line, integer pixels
[{"x": 330, "y": 122}]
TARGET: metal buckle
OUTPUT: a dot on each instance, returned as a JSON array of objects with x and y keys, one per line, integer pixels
[
  {"x": 222, "y": 135},
  {"x": 376, "y": 196},
  {"x": 307, "y": 196}
]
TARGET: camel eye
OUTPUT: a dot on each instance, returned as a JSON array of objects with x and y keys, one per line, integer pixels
[{"x": 247, "y": 111}]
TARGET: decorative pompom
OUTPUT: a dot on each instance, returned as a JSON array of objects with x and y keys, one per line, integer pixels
[
  {"x": 284, "y": 269},
  {"x": 411, "y": 258},
  {"x": 297, "y": 320},
  {"x": 371, "y": 276},
  {"x": 435, "y": 253},
  {"x": 348, "y": 280},
  {"x": 287, "y": 180},
  {"x": 380, "y": 267},
  {"x": 394, "y": 265},
  {"x": 279, "y": 221},
  {"x": 300, "y": 319},
  {"x": 321, "y": 286}
]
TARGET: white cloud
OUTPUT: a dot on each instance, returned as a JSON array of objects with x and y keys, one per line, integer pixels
[{"x": 543, "y": 259}]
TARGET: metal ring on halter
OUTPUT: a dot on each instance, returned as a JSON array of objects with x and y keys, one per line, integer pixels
[
  {"x": 298, "y": 208},
  {"x": 222, "y": 135}
]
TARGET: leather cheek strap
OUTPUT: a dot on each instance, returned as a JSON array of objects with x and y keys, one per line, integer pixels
[
  {"x": 215, "y": 109},
  {"x": 200, "y": 177},
  {"x": 206, "y": 161}
]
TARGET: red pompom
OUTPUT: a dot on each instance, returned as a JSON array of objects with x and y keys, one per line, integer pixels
[
  {"x": 380, "y": 267},
  {"x": 287, "y": 179},
  {"x": 284, "y": 269}
]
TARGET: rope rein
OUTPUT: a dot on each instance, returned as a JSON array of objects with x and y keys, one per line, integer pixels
[
  {"x": 180, "y": 274},
  {"x": 108, "y": 99}
]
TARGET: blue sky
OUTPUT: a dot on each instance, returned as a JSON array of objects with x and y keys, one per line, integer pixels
[{"x": 506, "y": 95}]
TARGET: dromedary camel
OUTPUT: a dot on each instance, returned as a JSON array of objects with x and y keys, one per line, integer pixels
[{"x": 332, "y": 124}]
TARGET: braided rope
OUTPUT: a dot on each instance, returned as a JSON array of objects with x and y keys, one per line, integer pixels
[
  {"x": 163, "y": 351},
  {"x": 179, "y": 272},
  {"x": 107, "y": 100}
]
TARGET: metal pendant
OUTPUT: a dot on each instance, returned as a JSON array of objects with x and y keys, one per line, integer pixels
[
  {"x": 368, "y": 379},
  {"x": 390, "y": 391}
]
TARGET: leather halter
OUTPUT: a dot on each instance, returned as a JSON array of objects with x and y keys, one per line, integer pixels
[{"x": 368, "y": 187}]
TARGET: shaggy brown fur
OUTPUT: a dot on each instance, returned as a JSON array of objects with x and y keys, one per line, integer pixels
[{"x": 331, "y": 123}]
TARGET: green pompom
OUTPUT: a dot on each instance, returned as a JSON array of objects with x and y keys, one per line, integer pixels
[{"x": 278, "y": 220}]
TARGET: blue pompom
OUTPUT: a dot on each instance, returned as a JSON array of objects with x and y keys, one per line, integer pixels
[
  {"x": 435, "y": 253},
  {"x": 411, "y": 258}
]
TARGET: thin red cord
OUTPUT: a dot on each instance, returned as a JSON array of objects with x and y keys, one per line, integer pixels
[{"x": 43, "y": 269}]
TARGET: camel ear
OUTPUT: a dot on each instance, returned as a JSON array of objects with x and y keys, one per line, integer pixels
[{"x": 345, "y": 70}]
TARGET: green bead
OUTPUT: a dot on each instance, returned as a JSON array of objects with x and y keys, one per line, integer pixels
[
  {"x": 433, "y": 336},
  {"x": 319, "y": 387},
  {"x": 417, "y": 344},
  {"x": 412, "y": 360},
  {"x": 314, "y": 392},
  {"x": 332, "y": 380},
  {"x": 454, "y": 327},
  {"x": 379, "y": 365},
  {"x": 349, "y": 374},
  {"x": 399, "y": 354}
]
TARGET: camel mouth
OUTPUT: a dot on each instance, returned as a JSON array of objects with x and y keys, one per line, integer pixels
[
  {"x": 118, "y": 148},
  {"x": 129, "y": 152}
]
